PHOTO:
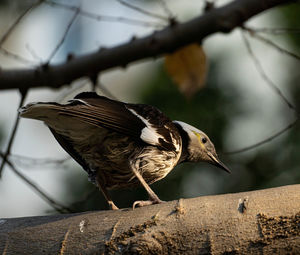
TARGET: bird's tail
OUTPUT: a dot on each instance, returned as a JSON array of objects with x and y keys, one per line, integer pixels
[
  {"x": 39, "y": 111},
  {"x": 57, "y": 117}
]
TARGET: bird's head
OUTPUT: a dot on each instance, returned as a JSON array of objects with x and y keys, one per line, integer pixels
[{"x": 197, "y": 146}]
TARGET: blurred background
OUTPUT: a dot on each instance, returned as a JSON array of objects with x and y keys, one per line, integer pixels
[{"x": 236, "y": 107}]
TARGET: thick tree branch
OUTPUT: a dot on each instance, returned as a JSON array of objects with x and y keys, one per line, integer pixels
[
  {"x": 223, "y": 19},
  {"x": 257, "y": 222}
]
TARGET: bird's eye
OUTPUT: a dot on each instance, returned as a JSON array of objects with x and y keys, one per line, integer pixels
[{"x": 203, "y": 140}]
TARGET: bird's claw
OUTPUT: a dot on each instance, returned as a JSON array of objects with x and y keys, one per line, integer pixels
[
  {"x": 141, "y": 203},
  {"x": 112, "y": 206}
]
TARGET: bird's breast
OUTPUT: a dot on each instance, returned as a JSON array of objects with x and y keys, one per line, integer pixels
[{"x": 111, "y": 156}]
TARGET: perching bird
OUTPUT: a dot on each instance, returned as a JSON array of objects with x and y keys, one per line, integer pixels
[{"x": 122, "y": 145}]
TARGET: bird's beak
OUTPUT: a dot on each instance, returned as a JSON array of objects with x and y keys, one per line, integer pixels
[{"x": 218, "y": 163}]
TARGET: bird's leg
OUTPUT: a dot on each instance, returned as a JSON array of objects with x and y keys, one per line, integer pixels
[
  {"x": 153, "y": 198},
  {"x": 107, "y": 197}
]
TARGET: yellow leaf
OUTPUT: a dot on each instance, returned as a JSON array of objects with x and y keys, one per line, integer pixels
[{"x": 187, "y": 67}]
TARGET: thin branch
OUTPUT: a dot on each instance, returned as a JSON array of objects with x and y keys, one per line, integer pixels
[
  {"x": 18, "y": 20},
  {"x": 8, "y": 33},
  {"x": 166, "y": 8},
  {"x": 64, "y": 36},
  {"x": 13, "y": 134},
  {"x": 37, "y": 162},
  {"x": 33, "y": 53},
  {"x": 143, "y": 11},
  {"x": 57, "y": 206},
  {"x": 272, "y": 137},
  {"x": 17, "y": 57},
  {"x": 260, "y": 69},
  {"x": 269, "y": 42},
  {"x": 105, "y": 17},
  {"x": 275, "y": 31},
  {"x": 161, "y": 42}
]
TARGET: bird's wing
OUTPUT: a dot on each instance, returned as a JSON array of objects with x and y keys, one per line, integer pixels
[
  {"x": 104, "y": 112},
  {"x": 68, "y": 147},
  {"x": 139, "y": 121}
]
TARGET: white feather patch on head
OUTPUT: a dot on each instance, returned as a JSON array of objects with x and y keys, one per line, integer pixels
[
  {"x": 188, "y": 128},
  {"x": 148, "y": 133}
]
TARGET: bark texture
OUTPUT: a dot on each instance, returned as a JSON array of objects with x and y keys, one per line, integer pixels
[
  {"x": 222, "y": 19},
  {"x": 256, "y": 222}
]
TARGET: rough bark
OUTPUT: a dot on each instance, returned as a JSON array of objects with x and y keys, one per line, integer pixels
[
  {"x": 256, "y": 222},
  {"x": 222, "y": 19}
]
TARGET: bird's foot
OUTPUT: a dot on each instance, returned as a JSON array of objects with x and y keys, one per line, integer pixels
[
  {"x": 142, "y": 203},
  {"x": 112, "y": 206}
]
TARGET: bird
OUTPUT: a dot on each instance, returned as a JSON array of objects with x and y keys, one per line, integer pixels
[{"x": 122, "y": 145}]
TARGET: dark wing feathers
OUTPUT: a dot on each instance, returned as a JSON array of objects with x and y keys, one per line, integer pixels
[
  {"x": 68, "y": 147},
  {"x": 163, "y": 125},
  {"x": 143, "y": 122},
  {"x": 104, "y": 112}
]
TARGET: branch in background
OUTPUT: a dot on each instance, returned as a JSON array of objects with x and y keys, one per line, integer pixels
[
  {"x": 17, "y": 57},
  {"x": 143, "y": 11},
  {"x": 272, "y": 137},
  {"x": 157, "y": 44},
  {"x": 31, "y": 162},
  {"x": 209, "y": 5},
  {"x": 275, "y": 31},
  {"x": 166, "y": 9},
  {"x": 10, "y": 30},
  {"x": 33, "y": 53},
  {"x": 253, "y": 34},
  {"x": 276, "y": 89},
  {"x": 96, "y": 84},
  {"x": 77, "y": 10},
  {"x": 64, "y": 36},
  {"x": 107, "y": 18},
  {"x": 54, "y": 204},
  {"x": 13, "y": 134},
  {"x": 263, "y": 74},
  {"x": 18, "y": 20}
]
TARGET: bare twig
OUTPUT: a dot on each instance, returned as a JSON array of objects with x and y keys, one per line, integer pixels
[
  {"x": 57, "y": 206},
  {"x": 166, "y": 8},
  {"x": 18, "y": 20},
  {"x": 272, "y": 137},
  {"x": 158, "y": 43},
  {"x": 64, "y": 36},
  {"x": 8, "y": 33},
  {"x": 33, "y": 53},
  {"x": 276, "y": 31},
  {"x": 17, "y": 57},
  {"x": 269, "y": 42},
  {"x": 139, "y": 9},
  {"x": 36, "y": 162},
  {"x": 106, "y": 18},
  {"x": 260, "y": 69},
  {"x": 12, "y": 136}
]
